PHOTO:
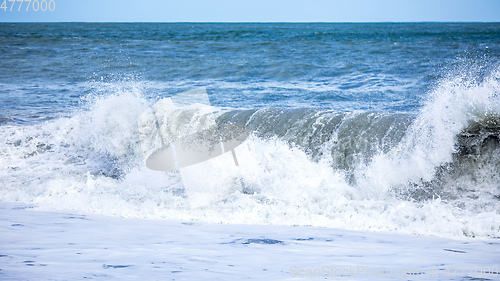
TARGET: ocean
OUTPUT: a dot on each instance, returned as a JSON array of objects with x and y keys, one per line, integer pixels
[{"x": 377, "y": 131}]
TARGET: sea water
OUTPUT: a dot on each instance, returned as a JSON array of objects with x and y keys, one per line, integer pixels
[{"x": 389, "y": 128}]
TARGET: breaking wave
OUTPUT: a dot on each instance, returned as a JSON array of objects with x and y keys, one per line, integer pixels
[{"x": 434, "y": 173}]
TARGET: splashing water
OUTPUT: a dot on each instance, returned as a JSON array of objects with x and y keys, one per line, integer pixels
[{"x": 436, "y": 173}]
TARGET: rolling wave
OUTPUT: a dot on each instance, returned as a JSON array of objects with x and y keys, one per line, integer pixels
[{"x": 434, "y": 173}]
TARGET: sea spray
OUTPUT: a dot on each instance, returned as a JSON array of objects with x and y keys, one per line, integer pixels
[{"x": 432, "y": 174}]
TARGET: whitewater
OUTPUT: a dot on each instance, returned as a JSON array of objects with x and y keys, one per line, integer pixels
[
  {"x": 431, "y": 174},
  {"x": 357, "y": 165},
  {"x": 82, "y": 190}
]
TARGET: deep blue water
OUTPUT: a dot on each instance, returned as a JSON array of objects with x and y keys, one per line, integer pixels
[{"x": 46, "y": 69}]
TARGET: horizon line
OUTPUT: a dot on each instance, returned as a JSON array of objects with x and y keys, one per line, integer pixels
[{"x": 252, "y": 22}]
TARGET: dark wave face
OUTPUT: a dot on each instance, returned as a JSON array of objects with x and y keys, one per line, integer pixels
[
  {"x": 380, "y": 127},
  {"x": 350, "y": 138}
]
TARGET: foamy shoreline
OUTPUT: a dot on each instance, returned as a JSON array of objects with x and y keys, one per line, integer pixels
[{"x": 39, "y": 245}]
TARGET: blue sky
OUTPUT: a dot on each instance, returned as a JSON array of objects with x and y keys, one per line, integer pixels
[{"x": 256, "y": 11}]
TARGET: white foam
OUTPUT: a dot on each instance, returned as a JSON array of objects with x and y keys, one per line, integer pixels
[
  {"x": 93, "y": 162},
  {"x": 430, "y": 141},
  {"x": 37, "y": 245}
]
